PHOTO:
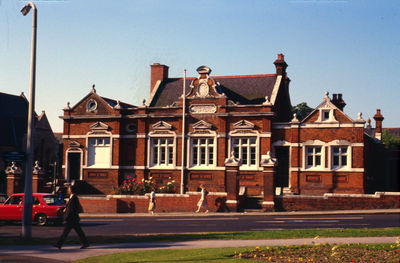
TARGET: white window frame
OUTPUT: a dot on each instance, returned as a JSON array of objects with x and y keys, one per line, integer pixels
[
  {"x": 340, "y": 156},
  {"x": 161, "y": 130},
  {"x": 168, "y": 147},
  {"x": 349, "y": 154},
  {"x": 208, "y": 164},
  {"x": 313, "y": 143},
  {"x": 248, "y": 146},
  {"x": 244, "y": 129},
  {"x": 89, "y": 147},
  {"x": 314, "y": 154}
]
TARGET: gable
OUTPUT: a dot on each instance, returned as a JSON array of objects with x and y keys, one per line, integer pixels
[
  {"x": 327, "y": 113},
  {"x": 92, "y": 104}
]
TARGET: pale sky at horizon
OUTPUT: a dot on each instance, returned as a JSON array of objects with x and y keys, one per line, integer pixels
[{"x": 349, "y": 47}]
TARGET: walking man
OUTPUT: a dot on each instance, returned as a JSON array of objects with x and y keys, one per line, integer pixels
[{"x": 71, "y": 217}]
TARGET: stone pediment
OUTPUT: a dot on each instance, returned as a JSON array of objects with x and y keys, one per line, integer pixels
[
  {"x": 99, "y": 126},
  {"x": 162, "y": 125},
  {"x": 74, "y": 144},
  {"x": 243, "y": 124},
  {"x": 202, "y": 125}
]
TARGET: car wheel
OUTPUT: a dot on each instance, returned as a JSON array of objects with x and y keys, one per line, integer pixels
[{"x": 41, "y": 219}]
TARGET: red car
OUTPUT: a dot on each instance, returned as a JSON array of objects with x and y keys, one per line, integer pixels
[{"x": 45, "y": 207}]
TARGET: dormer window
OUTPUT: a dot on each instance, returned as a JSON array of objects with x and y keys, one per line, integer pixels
[{"x": 325, "y": 115}]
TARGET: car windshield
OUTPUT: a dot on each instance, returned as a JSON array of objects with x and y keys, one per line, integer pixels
[{"x": 52, "y": 200}]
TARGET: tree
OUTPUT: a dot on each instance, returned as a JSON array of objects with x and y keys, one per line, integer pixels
[
  {"x": 390, "y": 140},
  {"x": 302, "y": 110}
]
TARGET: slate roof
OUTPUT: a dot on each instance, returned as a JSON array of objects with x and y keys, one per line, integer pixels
[
  {"x": 113, "y": 102},
  {"x": 246, "y": 89},
  {"x": 13, "y": 118}
]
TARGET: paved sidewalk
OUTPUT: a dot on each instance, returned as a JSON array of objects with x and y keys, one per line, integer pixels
[{"x": 69, "y": 253}]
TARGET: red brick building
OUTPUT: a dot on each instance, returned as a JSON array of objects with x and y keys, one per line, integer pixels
[{"x": 105, "y": 140}]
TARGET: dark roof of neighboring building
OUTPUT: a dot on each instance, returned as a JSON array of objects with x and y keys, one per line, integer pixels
[
  {"x": 394, "y": 131},
  {"x": 13, "y": 117},
  {"x": 245, "y": 89}
]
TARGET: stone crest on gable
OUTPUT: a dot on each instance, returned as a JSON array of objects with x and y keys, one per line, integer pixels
[{"x": 203, "y": 86}]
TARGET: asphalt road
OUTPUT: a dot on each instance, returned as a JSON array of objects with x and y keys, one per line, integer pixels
[{"x": 103, "y": 226}]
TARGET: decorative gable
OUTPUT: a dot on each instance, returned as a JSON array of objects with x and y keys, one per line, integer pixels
[
  {"x": 99, "y": 126},
  {"x": 74, "y": 144},
  {"x": 202, "y": 125},
  {"x": 327, "y": 113},
  {"x": 203, "y": 86},
  {"x": 243, "y": 124},
  {"x": 162, "y": 126}
]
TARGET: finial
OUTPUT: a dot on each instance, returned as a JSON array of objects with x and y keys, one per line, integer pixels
[
  {"x": 68, "y": 106},
  {"x": 144, "y": 102},
  {"x": 295, "y": 118},
  {"x": 359, "y": 117},
  {"x": 118, "y": 106},
  {"x": 369, "y": 123},
  {"x": 267, "y": 101},
  {"x": 93, "y": 90}
]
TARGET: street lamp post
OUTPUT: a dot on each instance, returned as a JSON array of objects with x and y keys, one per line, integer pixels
[{"x": 27, "y": 216}]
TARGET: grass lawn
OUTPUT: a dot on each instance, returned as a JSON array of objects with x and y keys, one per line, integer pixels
[
  {"x": 384, "y": 253},
  {"x": 270, "y": 234}
]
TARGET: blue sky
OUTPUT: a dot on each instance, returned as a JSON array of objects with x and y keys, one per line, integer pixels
[{"x": 349, "y": 47}]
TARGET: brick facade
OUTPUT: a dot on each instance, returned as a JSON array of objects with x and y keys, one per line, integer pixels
[{"x": 105, "y": 140}]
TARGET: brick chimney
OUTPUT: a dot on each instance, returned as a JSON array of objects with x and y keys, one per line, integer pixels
[
  {"x": 280, "y": 65},
  {"x": 158, "y": 72},
  {"x": 378, "y": 124},
  {"x": 337, "y": 99}
]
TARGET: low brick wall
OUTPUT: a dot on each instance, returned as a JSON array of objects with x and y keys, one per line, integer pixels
[
  {"x": 139, "y": 203},
  {"x": 217, "y": 202},
  {"x": 329, "y": 201}
]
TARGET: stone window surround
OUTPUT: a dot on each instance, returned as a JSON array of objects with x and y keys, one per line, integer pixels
[
  {"x": 324, "y": 153},
  {"x": 246, "y": 134},
  {"x": 208, "y": 134},
  {"x": 166, "y": 135},
  {"x": 97, "y": 134}
]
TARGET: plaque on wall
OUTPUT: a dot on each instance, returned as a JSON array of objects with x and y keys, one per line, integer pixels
[
  {"x": 203, "y": 108},
  {"x": 196, "y": 176},
  {"x": 97, "y": 175}
]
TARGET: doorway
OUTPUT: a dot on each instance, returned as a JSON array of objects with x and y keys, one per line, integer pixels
[
  {"x": 74, "y": 166},
  {"x": 281, "y": 177}
]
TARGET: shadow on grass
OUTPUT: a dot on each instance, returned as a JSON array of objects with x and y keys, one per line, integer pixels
[{"x": 272, "y": 234}]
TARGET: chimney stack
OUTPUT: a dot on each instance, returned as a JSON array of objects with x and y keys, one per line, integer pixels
[
  {"x": 280, "y": 65},
  {"x": 338, "y": 101},
  {"x": 158, "y": 72},
  {"x": 378, "y": 124}
]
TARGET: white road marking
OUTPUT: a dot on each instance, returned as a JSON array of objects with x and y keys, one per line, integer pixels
[
  {"x": 320, "y": 218},
  {"x": 101, "y": 220},
  {"x": 274, "y": 221},
  {"x": 197, "y": 218}
]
